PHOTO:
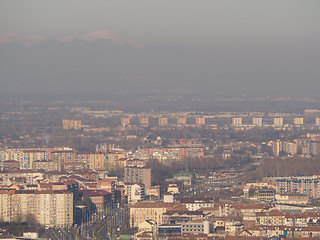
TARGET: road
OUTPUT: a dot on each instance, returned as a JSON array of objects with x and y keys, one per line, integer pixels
[
  {"x": 58, "y": 234},
  {"x": 104, "y": 229},
  {"x": 118, "y": 219},
  {"x": 107, "y": 227}
]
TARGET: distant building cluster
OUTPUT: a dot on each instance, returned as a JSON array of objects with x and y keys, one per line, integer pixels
[
  {"x": 60, "y": 159},
  {"x": 173, "y": 152},
  {"x": 305, "y": 185},
  {"x": 307, "y": 146},
  {"x": 224, "y": 220},
  {"x": 239, "y": 121},
  {"x": 247, "y": 120}
]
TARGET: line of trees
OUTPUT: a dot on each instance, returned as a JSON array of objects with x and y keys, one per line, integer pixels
[{"x": 284, "y": 167}]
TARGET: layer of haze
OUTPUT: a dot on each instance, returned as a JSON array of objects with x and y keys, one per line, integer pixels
[{"x": 223, "y": 48}]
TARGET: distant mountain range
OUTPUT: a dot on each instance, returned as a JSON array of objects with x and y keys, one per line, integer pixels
[{"x": 100, "y": 62}]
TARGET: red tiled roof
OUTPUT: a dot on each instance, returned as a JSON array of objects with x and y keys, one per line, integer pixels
[{"x": 94, "y": 193}]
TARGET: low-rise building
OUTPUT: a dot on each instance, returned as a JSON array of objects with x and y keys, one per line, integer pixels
[
  {"x": 198, "y": 226},
  {"x": 142, "y": 211}
]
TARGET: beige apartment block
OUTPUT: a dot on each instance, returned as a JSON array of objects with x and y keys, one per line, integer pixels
[
  {"x": 278, "y": 121},
  {"x": 163, "y": 121},
  {"x": 200, "y": 121},
  {"x": 43, "y": 165},
  {"x": 181, "y": 120},
  {"x": 144, "y": 121},
  {"x": 257, "y": 121},
  {"x": 237, "y": 121},
  {"x": 60, "y": 157},
  {"x": 138, "y": 175},
  {"x": 70, "y": 124},
  {"x": 298, "y": 121},
  {"x": 48, "y": 208},
  {"x": 114, "y": 160}
]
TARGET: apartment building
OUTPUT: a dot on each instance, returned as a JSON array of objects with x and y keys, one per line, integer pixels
[
  {"x": 270, "y": 218},
  {"x": 257, "y": 121},
  {"x": 306, "y": 185},
  {"x": 138, "y": 175},
  {"x": 48, "y": 207},
  {"x": 180, "y": 152},
  {"x": 71, "y": 124},
  {"x": 200, "y": 121},
  {"x": 134, "y": 192},
  {"x": 25, "y": 157},
  {"x": 43, "y": 165},
  {"x": 101, "y": 199},
  {"x": 144, "y": 121},
  {"x": 11, "y": 165},
  {"x": 125, "y": 121},
  {"x": 298, "y": 121},
  {"x": 278, "y": 121},
  {"x": 162, "y": 121},
  {"x": 280, "y": 147},
  {"x": 279, "y": 218},
  {"x": 31, "y": 155},
  {"x": 114, "y": 160},
  {"x": 181, "y": 120},
  {"x": 197, "y": 226},
  {"x": 98, "y": 161},
  {"x": 61, "y": 157},
  {"x": 237, "y": 121}
]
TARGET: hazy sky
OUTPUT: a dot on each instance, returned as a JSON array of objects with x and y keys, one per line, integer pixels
[{"x": 269, "y": 47}]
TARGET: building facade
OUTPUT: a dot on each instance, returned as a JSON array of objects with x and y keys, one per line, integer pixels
[{"x": 48, "y": 208}]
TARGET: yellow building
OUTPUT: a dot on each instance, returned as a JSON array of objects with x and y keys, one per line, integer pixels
[
  {"x": 102, "y": 160},
  {"x": 97, "y": 161},
  {"x": 142, "y": 211},
  {"x": 114, "y": 161}
]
